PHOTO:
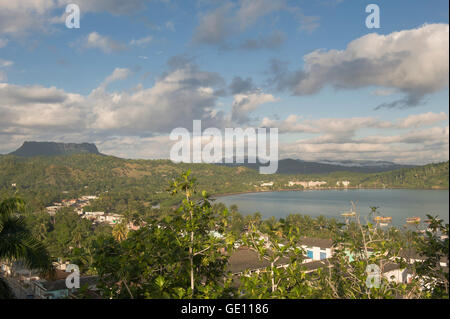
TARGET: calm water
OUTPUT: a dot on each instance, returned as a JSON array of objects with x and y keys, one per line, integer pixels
[{"x": 397, "y": 203}]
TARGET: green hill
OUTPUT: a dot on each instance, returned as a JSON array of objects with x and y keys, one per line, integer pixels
[{"x": 131, "y": 184}]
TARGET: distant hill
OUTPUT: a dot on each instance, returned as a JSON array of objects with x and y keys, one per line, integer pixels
[
  {"x": 30, "y": 149},
  {"x": 296, "y": 166},
  {"x": 128, "y": 184}
]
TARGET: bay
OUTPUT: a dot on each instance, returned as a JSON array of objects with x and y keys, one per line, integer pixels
[{"x": 396, "y": 203}]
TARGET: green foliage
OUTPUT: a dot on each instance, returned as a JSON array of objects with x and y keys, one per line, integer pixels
[
  {"x": 17, "y": 242},
  {"x": 434, "y": 248},
  {"x": 177, "y": 256}
]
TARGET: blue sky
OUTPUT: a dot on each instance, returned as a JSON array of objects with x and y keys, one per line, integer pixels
[{"x": 136, "y": 69}]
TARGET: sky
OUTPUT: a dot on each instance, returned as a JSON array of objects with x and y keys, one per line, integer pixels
[{"x": 135, "y": 70}]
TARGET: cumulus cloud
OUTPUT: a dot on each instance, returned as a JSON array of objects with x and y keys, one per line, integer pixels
[
  {"x": 118, "y": 74},
  {"x": 179, "y": 96},
  {"x": 21, "y": 18},
  {"x": 418, "y": 120},
  {"x": 271, "y": 41},
  {"x": 94, "y": 40},
  {"x": 56, "y": 109},
  {"x": 406, "y": 140},
  {"x": 414, "y": 62},
  {"x": 243, "y": 104},
  {"x": 217, "y": 26},
  {"x": 240, "y": 85},
  {"x": 335, "y": 126}
]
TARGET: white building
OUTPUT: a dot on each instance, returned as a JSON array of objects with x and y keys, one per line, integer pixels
[
  {"x": 317, "y": 248},
  {"x": 310, "y": 184},
  {"x": 267, "y": 184},
  {"x": 343, "y": 183}
]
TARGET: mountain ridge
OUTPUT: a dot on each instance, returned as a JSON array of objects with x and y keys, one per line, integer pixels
[{"x": 32, "y": 148}]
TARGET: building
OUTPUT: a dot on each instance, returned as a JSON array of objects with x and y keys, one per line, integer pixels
[
  {"x": 57, "y": 289},
  {"x": 269, "y": 184},
  {"x": 93, "y": 215},
  {"x": 52, "y": 209},
  {"x": 306, "y": 184},
  {"x": 343, "y": 183},
  {"x": 317, "y": 248},
  {"x": 113, "y": 219}
]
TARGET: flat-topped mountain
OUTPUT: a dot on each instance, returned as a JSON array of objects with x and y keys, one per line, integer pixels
[{"x": 29, "y": 149}]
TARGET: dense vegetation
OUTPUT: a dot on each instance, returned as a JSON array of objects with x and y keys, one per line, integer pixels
[
  {"x": 135, "y": 185},
  {"x": 178, "y": 254}
]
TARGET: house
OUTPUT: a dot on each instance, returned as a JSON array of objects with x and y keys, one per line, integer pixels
[
  {"x": 393, "y": 272},
  {"x": 270, "y": 184},
  {"x": 51, "y": 210},
  {"x": 317, "y": 248},
  {"x": 93, "y": 215},
  {"x": 246, "y": 260},
  {"x": 312, "y": 184},
  {"x": 343, "y": 183},
  {"x": 57, "y": 289},
  {"x": 113, "y": 219},
  {"x": 88, "y": 197},
  {"x": 411, "y": 256}
]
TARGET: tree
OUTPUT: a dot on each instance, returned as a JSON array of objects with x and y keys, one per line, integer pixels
[
  {"x": 180, "y": 255},
  {"x": 433, "y": 247},
  {"x": 120, "y": 231},
  {"x": 202, "y": 233},
  {"x": 16, "y": 240}
]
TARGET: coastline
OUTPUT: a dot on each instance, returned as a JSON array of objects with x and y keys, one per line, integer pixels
[{"x": 218, "y": 195}]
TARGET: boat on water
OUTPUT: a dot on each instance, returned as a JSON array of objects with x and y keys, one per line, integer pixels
[
  {"x": 351, "y": 212},
  {"x": 382, "y": 219},
  {"x": 348, "y": 214},
  {"x": 413, "y": 220}
]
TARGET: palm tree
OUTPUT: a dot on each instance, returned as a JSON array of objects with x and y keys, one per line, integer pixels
[
  {"x": 16, "y": 240},
  {"x": 120, "y": 231}
]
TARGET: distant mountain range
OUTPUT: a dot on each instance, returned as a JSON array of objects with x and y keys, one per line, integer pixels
[
  {"x": 297, "y": 166},
  {"x": 285, "y": 166},
  {"x": 30, "y": 149}
]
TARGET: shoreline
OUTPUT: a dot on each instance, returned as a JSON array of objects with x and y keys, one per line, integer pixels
[{"x": 319, "y": 189}]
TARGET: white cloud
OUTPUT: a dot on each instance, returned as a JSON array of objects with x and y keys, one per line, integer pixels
[
  {"x": 216, "y": 27},
  {"x": 118, "y": 74},
  {"x": 142, "y": 41},
  {"x": 22, "y": 17},
  {"x": 94, "y": 40},
  {"x": 243, "y": 104},
  {"x": 414, "y": 62},
  {"x": 3, "y": 77},
  {"x": 417, "y": 120},
  {"x": 5, "y": 63}
]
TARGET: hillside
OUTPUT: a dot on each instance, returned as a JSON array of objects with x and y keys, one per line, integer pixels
[
  {"x": 296, "y": 166},
  {"x": 124, "y": 184},
  {"x": 30, "y": 149}
]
